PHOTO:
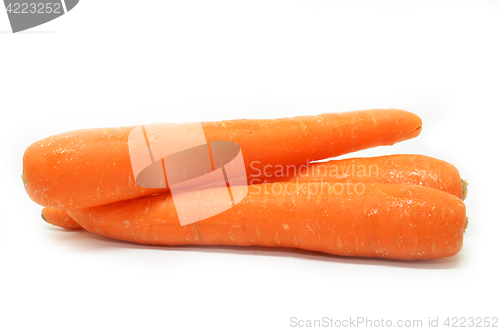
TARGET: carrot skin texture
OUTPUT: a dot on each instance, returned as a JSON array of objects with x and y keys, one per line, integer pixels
[
  {"x": 390, "y": 169},
  {"x": 60, "y": 218},
  {"x": 87, "y": 168},
  {"x": 390, "y": 221},
  {"x": 408, "y": 169},
  {"x": 396, "y": 169}
]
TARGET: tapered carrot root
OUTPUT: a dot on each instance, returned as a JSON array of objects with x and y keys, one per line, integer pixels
[
  {"x": 384, "y": 220},
  {"x": 396, "y": 169},
  {"x": 391, "y": 169},
  {"x": 59, "y": 218},
  {"x": 92, "y": 167}
]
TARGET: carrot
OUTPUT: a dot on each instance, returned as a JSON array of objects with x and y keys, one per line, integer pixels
[
  {"x": 87, "y": 168},
  {"x": 397, "y": 169},
  {"x": 59, "y": 217},
  {"x": 391, "y": 221}
]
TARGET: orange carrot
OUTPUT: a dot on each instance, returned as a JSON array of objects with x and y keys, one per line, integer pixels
[
  {"x": 59, "y": 218},
  {"x": 92, "y": 167},
  {"x": 397, "y": 169},
  {"x": 391, "y": 221}
]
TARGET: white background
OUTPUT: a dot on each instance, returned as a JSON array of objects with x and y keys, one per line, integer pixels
[{"x": 115, "y": 63}]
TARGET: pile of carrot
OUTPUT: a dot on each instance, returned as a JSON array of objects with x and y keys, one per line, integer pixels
[{"x": 407, "y": 207}]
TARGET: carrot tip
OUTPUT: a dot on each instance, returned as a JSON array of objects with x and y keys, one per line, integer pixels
[
  {"x": 43, "y": 218},
  {"x": 466, "y": 223},
  {"x": 464, "y": 189},
  {"x": 417, "y": 131}
]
